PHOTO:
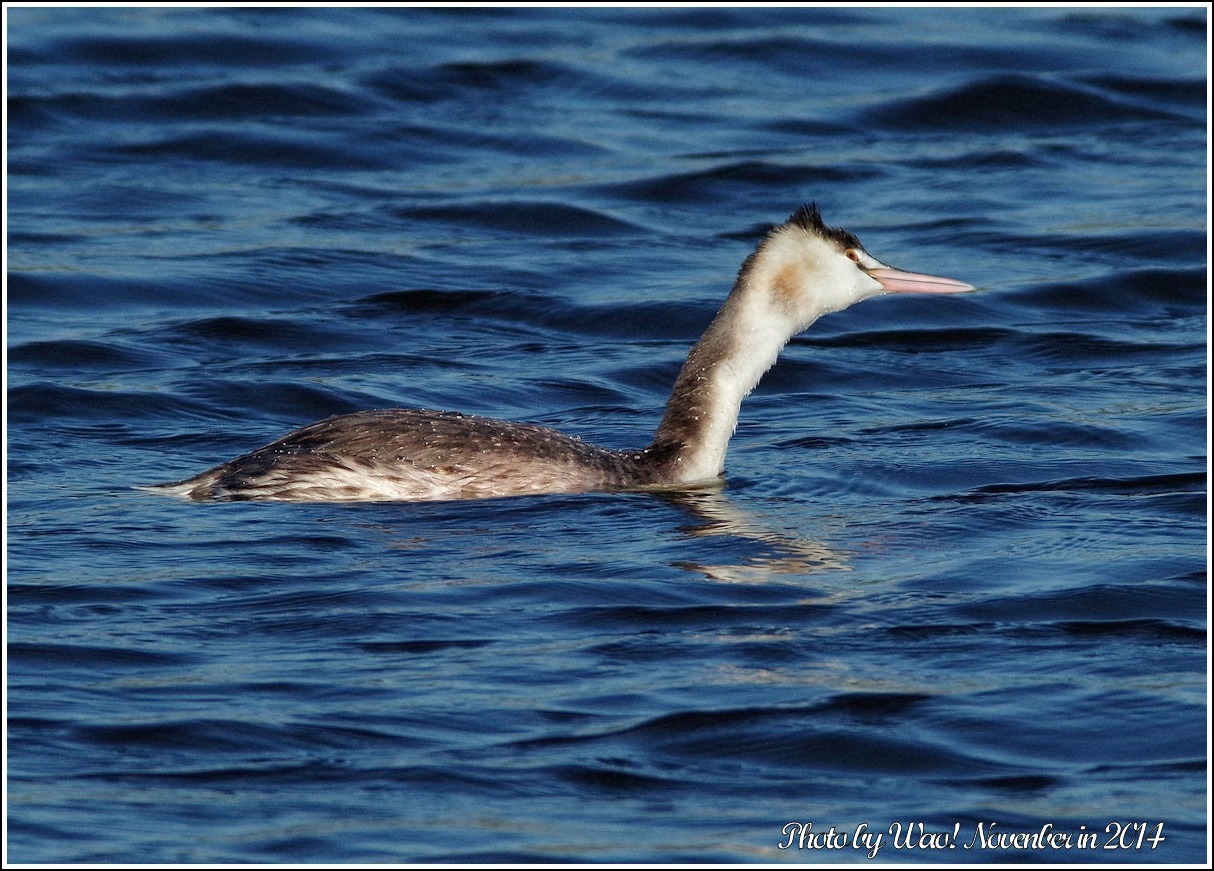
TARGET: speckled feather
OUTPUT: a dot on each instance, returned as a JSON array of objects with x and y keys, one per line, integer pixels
[{"x": 419, "y": 455}]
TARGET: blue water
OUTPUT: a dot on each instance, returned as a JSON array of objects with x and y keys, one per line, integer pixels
[{"x": 957, "y": 573}]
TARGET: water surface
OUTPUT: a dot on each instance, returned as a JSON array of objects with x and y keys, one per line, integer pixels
[{"x": 956, "y": 573}]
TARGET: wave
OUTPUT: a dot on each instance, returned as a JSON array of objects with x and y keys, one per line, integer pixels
[{"x": 1013, "y": 102}]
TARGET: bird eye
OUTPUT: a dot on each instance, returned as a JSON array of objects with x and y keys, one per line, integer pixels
[{"x": 853, "y": 255}]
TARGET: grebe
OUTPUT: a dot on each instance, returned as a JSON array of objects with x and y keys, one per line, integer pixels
[{"x": 801, "y": 270}]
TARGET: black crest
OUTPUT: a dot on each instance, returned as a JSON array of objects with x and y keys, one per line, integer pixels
[{"x": 809, "y": 218}]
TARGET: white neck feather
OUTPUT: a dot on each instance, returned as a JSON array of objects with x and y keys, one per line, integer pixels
[{"x": 769, "y": 304}]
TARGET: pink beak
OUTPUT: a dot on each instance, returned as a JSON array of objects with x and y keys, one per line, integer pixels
[{"x": 897, "y": 281}]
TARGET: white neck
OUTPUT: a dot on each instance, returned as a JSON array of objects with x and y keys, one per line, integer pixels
[
  {"x": 740, "y": 345},
  {"x": 794, "y": 277}
]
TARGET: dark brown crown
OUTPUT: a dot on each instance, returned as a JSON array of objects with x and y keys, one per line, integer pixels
[{"x": 809, "y": 218}]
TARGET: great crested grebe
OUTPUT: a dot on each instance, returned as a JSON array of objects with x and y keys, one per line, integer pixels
[{"x": 800, "y": 271}]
